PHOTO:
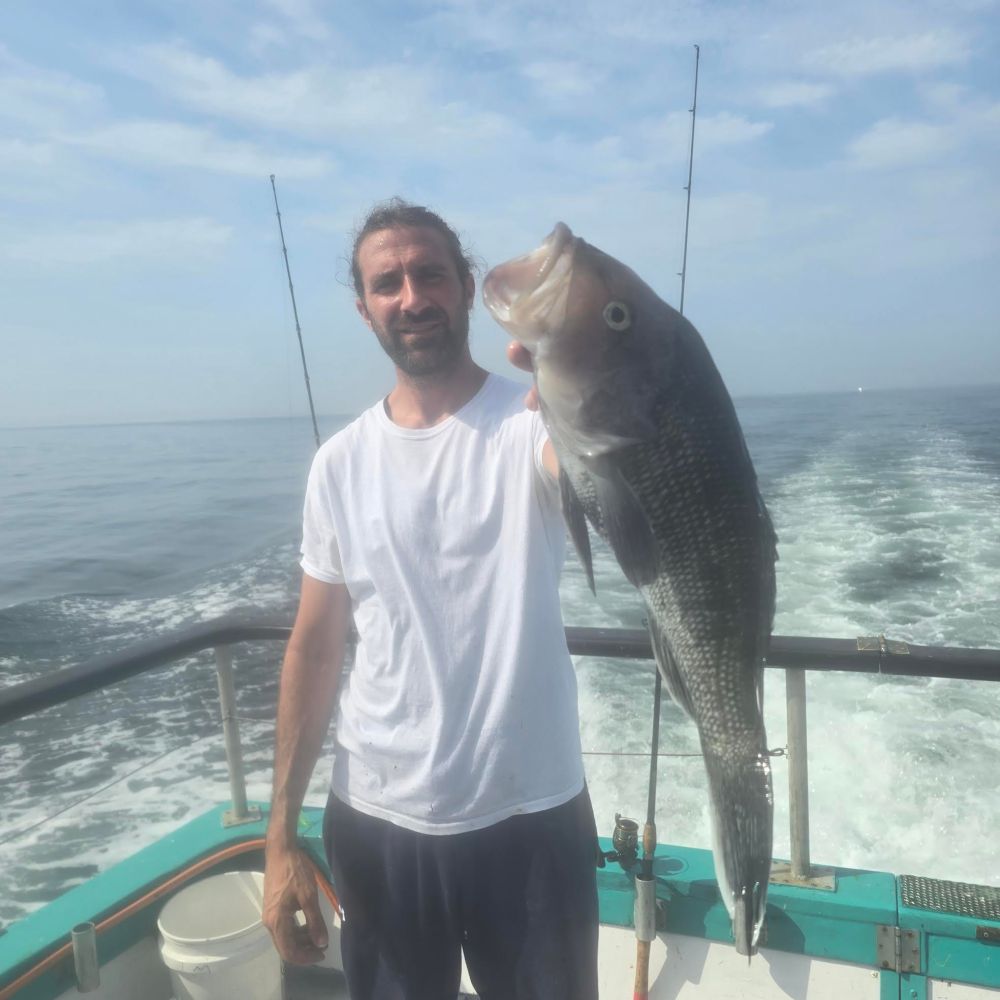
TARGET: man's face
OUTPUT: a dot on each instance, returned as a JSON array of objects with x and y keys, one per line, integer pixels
[{"x": 414, "y": 299}]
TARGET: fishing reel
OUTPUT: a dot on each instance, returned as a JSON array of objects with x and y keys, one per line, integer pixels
[{"x": 625, "y": 841}]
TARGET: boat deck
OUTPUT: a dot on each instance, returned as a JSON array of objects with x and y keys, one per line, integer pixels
[{"x": 304, "y": 982}]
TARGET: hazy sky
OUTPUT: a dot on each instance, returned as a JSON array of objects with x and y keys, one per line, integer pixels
[{"x": 845, "y": 226}]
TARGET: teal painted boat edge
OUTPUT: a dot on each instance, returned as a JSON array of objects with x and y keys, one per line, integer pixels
[
  {"x": 950, "y": 949},
  {"x": 47, "y": 929},
  {"x": 40, "y": 934},
  {"x": 837, "y": 925}
]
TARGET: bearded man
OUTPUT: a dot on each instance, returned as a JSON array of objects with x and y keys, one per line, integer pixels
[{"x": 458, "y": 819}]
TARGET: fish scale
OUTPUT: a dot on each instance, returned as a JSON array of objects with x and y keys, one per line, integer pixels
[{"x": 652, "y": 456}]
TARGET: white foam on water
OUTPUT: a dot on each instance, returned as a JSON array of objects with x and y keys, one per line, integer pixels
[
  {"x": 253, "y": 584},
  {"x": 141, "y": 799},
  {"x": 147, "y": 723},
  {"x": 926, "y": 531}
]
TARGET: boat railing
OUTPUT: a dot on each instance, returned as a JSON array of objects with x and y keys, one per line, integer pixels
[{"x": 796, "y": 654}]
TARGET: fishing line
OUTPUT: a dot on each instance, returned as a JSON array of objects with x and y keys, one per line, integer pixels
[{"x": 776, "y": 752}]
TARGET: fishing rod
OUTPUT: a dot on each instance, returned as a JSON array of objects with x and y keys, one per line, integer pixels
[
  {"x": 645, "y": 881},
  {"x": 295, "y": 312},
  {"x": 687, "y": 214}
]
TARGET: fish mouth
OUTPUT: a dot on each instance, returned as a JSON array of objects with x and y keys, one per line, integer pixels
[{"x": 523, "y": 292}]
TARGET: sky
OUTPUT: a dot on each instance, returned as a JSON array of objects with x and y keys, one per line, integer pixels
[{"x": 845, "y": 214}]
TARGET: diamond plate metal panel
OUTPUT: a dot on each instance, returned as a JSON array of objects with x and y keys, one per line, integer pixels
[{"x": 982, "y": 902}]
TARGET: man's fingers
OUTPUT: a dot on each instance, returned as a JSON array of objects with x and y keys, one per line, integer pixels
[
  {"x": 298, "y": 947},
  {"x": 315, "y": 923},
  {"x": 519, "y": 356}
]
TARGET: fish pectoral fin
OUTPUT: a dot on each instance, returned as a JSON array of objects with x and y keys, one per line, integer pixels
[
  {"x": 625, "y": 524},
  {"x": 576, "y": 521},
  {"x": 669, "y": 670}
]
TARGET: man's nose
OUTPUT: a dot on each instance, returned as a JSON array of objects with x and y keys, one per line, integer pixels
[{"x": 413, "y": 298}]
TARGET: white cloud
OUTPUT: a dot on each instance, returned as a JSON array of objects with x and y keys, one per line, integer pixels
[
  {"x": 725, "y": 129},
  {"x": 397, "y": 105},
  {"x": 302, "y": 18},
  {"x": 672, "y": 134},
  {"x": 264, "y": 35},
  {"x": 560, "y": 78},
  {"x": 861, "y": 57},
  {"x": 17, "y": 153},
  {"x": 101, "y": 241},
  {"x": 40, "y": 98},
  {"x": 286, "y": 24},
  {"x": 944, "y": 96},
  {"x": 893, "y": 143},
  {"x": 171, "y": 144},
  {"x": 794, "y": 94}
]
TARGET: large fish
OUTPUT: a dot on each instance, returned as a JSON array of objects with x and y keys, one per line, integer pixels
[{"x": 652, "y": 455}]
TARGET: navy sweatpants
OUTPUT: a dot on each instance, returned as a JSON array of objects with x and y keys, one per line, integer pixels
[{"x": 519, "y": 897}]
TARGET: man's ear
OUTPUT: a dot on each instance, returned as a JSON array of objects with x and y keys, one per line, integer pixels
[
  {"x": 470, "y": 290},
  {"x": 362, "y": 309}
]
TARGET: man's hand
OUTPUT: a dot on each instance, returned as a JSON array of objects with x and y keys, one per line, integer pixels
[
  {"x": 520, "y": 357},
  {"x": 290, "y": 886}
]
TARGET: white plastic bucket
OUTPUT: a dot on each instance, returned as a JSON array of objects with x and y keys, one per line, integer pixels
[{"x": 214, "y": 944}]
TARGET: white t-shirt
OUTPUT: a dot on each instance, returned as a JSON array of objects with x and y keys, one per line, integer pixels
[{"x": 461, "y": 707}]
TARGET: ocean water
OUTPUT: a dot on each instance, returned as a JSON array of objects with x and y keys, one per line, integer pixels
[{"x": 887, "y": 508}]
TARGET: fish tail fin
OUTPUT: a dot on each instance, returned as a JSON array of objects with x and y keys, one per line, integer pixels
[
  {"x": 742, "y": 820},
  {"x": 747, "y": 924}
]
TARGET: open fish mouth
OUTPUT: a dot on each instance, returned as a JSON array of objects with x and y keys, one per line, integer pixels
[{"x": 526, "y": 292}]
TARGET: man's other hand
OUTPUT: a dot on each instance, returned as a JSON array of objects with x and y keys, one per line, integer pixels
[{"x": 290, "y": 886}]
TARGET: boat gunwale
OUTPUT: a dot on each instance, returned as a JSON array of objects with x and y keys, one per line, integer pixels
[{"x": 796, "y": 652}]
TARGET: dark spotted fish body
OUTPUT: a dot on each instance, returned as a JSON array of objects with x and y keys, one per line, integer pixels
[{"x": 652, "y": 456}]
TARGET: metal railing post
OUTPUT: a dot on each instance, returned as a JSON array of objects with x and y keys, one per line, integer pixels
[
  {"x": 85, "y": 963},
  {"x": 798, "y": 772},
  {"x": 231, "y": 734}
]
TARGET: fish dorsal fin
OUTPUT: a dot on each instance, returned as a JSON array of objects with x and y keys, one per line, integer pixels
[
  {"x": 625, "y": 524},
  {"x": 668, "y": 665},
  {"x": 576, "y": 521}
]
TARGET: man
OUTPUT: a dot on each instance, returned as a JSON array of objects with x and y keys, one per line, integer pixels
[{"x": 458, "y": 817}]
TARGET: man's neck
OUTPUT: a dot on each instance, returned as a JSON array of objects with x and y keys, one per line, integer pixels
[{"x": 423, "y": 402}]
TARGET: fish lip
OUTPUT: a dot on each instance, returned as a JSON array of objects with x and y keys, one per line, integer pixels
[
  {"x": 560, "y": 237},
  {"x": 501, "y": 298}
]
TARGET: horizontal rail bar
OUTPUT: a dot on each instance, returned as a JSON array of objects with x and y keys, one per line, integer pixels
[
  {"x": 811, "y": 653},
  {"x": 807, "y": 653},
  {"x": 103, "y": 671}
]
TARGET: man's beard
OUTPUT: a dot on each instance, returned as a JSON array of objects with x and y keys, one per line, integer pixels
[{"x": 438, "y": 349}]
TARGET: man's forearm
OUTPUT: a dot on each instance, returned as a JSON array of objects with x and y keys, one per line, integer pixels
[
  {"x": 305, "y": 705},
  {"x": 310, "y": 678}
]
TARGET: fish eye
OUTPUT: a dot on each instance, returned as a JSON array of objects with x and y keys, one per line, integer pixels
[{"x": 618, "y": 316}]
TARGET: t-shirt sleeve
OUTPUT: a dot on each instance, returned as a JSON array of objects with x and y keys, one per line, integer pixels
[{"x": 320, "y": 551}]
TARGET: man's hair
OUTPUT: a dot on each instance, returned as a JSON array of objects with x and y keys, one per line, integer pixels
[{"x": 396, "y": 213}]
